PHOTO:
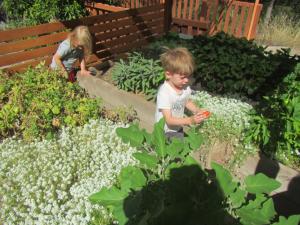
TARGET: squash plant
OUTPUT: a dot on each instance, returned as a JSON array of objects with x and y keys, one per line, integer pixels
[{"x": 169, "y": 187}]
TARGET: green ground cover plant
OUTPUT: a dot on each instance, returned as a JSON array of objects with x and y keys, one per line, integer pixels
[
  {"x": 38, "y": 102},
  {"x": 276, "y": 124},
  {"x": 168, "y": 186}
]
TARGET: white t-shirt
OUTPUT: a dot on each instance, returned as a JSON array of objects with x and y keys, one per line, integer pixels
[{"x": 168, "y": 98}]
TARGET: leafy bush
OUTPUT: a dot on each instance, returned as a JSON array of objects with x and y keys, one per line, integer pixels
[
  {"x": 227, "y": 64},
  {"x": 49, "y": 181},
  {"x": 138, "y": 75},
  {"x": 276, "y": 126},
  {"x": 31, "y": 12},
  {"x": 168, "y": 186},
  {"x": 38, "y": 102}
]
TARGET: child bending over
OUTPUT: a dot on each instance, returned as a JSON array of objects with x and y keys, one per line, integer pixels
[
  {"x": 77, "y": 46},
  {"x": 174, "y": 94}
]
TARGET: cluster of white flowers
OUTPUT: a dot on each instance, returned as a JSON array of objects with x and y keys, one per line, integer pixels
[
  {"x": 230, "y": 117},
  {"x": 233, "y": 111},
  {"x": 49, "y": 182}
]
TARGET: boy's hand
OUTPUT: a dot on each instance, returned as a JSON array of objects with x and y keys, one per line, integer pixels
[{"x": 200, "y": 116}]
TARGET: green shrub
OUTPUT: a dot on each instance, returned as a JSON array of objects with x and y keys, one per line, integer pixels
[
  {"x": 38, "y": 102},
  {"x": 276, "y": 126},
  {"x": 227, "y": 64},
  {"x": 138, "y": 75},
  {"x": 31, "y": 12}
]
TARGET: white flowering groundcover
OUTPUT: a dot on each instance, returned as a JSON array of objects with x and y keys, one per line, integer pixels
[
  {"x": 49, "y": 182},
  {"x": 229, "y": 119}
]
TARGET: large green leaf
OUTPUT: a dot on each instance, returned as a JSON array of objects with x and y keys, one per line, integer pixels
[
  {"x": 119, "y": 213},
  {"x": 292, "y": 220},
  {"x": 109, "y": 196},
  {"x": 158, "y": 138},
  {"x": 131, "y": 135},
  {"x": 190, "y": 161},
  {"x": 260, "y": 183},
  {"x": 224, "y": 179},
  {"x": 194, "y": 138},
  {"x": 268, "y": 209},
  {"x": 251, "y": 216},
  {"x": 149, "y": 160},
  {"x": 175, "y": 147},
  {"x": 132, "y": 178},
  {"x": 237, "y": 198}
]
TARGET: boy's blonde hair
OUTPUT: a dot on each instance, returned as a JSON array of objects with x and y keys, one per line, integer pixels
[
  {"x": 84, "y": 38},
  {"x": 178, "y": 60}
]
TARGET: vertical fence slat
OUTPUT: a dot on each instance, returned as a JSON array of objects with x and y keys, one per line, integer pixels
[
  {"x": 227, "y": 18},
  {"x": 214, "y": 17},
  {"x": 184, "y": 16},
  {"x": 203, "y": 10},
  {"x": 179, "y": 9},
  {"x": 174, "y": 6},
  {"x": 209, "y": 5},
  {"x": 248, "y": 21},
  {"x": 256, "y": 19},
  {"x": 238, "y": 32},
  {"x": 190, "y": 28},
  {"x": 235, "y": 17}
]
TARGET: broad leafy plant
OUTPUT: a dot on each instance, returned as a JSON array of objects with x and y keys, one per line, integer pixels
[
  {"x": 250, "y": 202},
  {"x": 169, "y": 187},
  {"x": 138, "y": 74}
]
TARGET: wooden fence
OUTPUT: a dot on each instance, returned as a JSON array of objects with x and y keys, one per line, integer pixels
[
  {"x": 113, "y": 35},
  {"x": 209, "y": 16}
]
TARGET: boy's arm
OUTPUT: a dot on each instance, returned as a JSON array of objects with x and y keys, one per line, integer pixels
[
  {"x": 174, "y": 121},
  {"x": 190, "y": 105}
]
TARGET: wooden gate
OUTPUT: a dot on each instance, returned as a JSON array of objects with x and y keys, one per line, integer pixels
[{"x": 209, "y": 16}]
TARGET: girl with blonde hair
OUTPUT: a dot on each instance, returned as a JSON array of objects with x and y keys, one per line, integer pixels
[{"x": 78, "y": 46}]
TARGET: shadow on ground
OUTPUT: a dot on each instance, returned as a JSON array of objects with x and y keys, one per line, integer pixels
[{"x": 286, "y": 203}]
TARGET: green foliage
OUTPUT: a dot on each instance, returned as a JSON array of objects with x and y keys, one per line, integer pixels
[
  {"x": 226, "y": 64},
  {"x": 128, "y": 200},
  {"x": 38, "y": 102},
  {"x": 169, "y": 187},
  {"x": 258, "y": 210},
  {"x": 277, "y": 129},
  {"x": 31, "y": 12},
  {"x": 138, "y": 75}
]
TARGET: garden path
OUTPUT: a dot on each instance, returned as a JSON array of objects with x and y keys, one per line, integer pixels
[{"x": 287, "y": 197}]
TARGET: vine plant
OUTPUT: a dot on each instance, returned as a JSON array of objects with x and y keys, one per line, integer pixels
[{"x": 168, "y": 186}]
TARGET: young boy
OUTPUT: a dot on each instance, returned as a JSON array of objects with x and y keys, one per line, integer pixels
[{"x": 173, "y": 95}]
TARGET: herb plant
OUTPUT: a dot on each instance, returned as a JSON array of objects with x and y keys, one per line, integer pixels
[{"x": 138, "y": 75}]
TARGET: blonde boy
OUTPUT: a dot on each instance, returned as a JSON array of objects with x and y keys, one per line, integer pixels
[{"x": 174, "y": 94}]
